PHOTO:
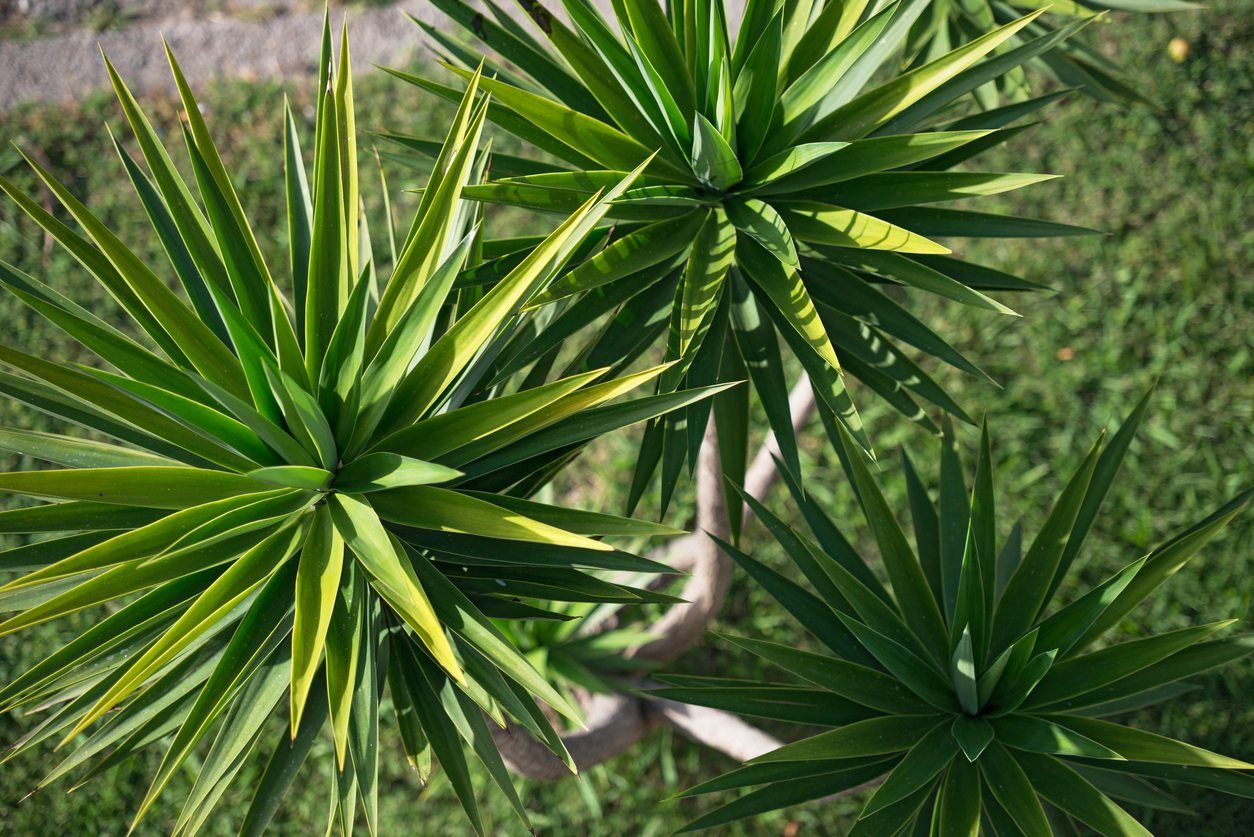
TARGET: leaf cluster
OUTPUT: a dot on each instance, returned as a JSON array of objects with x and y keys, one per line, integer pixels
[
  {"x": 314, "y": 500},
  {"x": 979, "y": 702},
  {"x": 1074, "y": 63},
  {"x": 794, "y": 186}
]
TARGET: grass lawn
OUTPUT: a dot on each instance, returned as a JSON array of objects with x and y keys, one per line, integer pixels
[{"x": 1160, "y": 297}]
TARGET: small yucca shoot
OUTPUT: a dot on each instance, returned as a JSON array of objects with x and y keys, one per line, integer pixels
[
  {"x": 981, "y": 703},
  {"x": 302, "y": 504},
  {"x": 947, "y": 24},
  {"x": 585, "y": 652},
  {"x": 793, "y": 181}
]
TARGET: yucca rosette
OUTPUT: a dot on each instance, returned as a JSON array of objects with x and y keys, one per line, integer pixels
[
  {"x": 799, "y": 183},
  {"x": 969, "y": 681},
  {"x": 301, "y": 493}
]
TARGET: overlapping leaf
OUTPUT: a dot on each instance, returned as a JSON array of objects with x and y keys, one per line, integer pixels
[
  {"x": 311, "y": 505},
  {"x": 977, "y": 702},
  {"x": 802, "y": 136}
]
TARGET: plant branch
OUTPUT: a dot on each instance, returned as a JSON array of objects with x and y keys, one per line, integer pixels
[{"x": 617, "y": 722}]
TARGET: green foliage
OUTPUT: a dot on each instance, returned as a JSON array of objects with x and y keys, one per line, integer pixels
[
  {"x": 1073, "y": 63},
  {"x": 793, "y": 181},
  {"x": 1162, "y": 295},
  {"x": 320, "y": 498},
  {"x": 584, "y": 653},
  {"x": 980, "y": 702}
]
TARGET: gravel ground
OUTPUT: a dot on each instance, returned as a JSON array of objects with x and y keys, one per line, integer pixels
[
  {"x": 65, "y": 67},
  {"x": 45, "y": 15}
]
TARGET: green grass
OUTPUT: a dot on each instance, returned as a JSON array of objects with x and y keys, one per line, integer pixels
[{"x": 1166, "y": 296}]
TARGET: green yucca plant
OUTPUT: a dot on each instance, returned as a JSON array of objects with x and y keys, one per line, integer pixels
[
  {"x": 982, "y": 703},
  {"x": 305, "y": 503},
  {"x": 584, "y": 651},
  {"x": 947, "y": 24},
  {"x": 791, "y": 183}
]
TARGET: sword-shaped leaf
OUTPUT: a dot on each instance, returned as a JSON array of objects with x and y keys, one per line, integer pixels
[
  {"x": 317, "y": 585},
  {"x": 391, "y": 574}
]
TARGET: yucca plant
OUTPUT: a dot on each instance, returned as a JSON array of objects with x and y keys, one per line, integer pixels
[
  {"x": 300, "y": 506},
  {"x": 980, "y": 700},
  {"x": 792, "y": 183},
  {"x": 1074, "y": 63},
  {"x": 584, "y": 651}
]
